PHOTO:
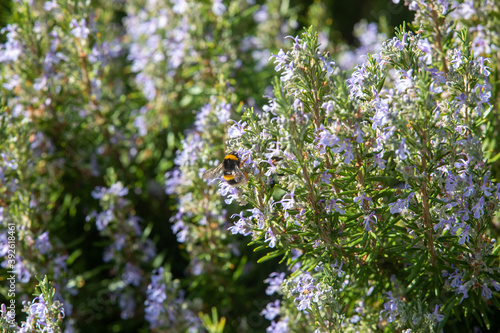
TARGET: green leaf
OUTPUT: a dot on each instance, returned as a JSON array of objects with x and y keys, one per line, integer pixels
[{"x": 271, "y": 255}]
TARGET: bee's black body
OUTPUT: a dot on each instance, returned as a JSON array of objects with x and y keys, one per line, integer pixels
[
  {"x": 229, "y": 169},
  {"x": 231, "y": 163}
]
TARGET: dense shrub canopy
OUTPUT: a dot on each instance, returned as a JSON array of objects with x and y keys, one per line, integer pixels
[{"x": 370, "y": 184}]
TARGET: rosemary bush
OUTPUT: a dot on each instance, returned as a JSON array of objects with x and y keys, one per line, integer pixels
[{"x": 370, "y": 200}]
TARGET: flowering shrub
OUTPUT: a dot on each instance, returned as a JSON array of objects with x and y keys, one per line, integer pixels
[
  {"x": 367, "y": 186},
  {"x": 374, "y": 187}
]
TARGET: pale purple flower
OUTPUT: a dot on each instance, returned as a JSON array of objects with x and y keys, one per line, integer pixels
[
  {"x": 228, "y": 191},
  {"x": 335, "y": 206},
  {"x": 379, "y": 161},
  {"x": 272, "y": 310},
  {"x": 402, "y": 152},
  {"x": 155, "y": 296},
  {"x": 371, "y": 218},
  {"x": 79, "y": 29},
  {"x": 478, "y": 208},
  {"x": 362, "y": 199},
  {"x": 269, "y": 237},
  {"x": 42, "y": 243},
  {"x": 288, "y": 73},
  {"x": 390, "y": 308},
  {"x": 400, "y": 204},
  {"x": 180, "y": 229},
  {"x": 381, "y": 116},
  {"x": 126, "y": 301},
  {"x": 140, "y": 124},
  {"x": 485, "y": 291},
  {"x": 11, "y": 49},
  {"x": 456, "y": 59},
  {"x": 464, "y": 236},
  {"x": 242, "y": 226},
  {"x": 278, "y": 327},
  {"x": 405, "y": 81},
  {"x": 237, "y": 129},
  {"x": 261, "y": 14},
  {"x": 50, "y": 5},
  {"x": 218, "y": 7},
  {"x": 400, "y": 44},
  {"x": 132, "y": 274},
  {"x": 287, "y": 202},
  {"x": 275, "y": 280},
  {"x": 179, "y": 6},
  {"x": 281, "y": 60}
]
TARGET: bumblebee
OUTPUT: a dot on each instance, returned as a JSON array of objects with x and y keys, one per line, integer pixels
[{"x": 229, "y": 169}]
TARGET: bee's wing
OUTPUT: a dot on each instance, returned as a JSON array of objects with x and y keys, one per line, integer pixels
[
  {"x": 239, "y": 177},
  {"x": 214, "y": 172}
]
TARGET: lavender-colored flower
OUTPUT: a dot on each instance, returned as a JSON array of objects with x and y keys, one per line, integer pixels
[
  {"x": 126, "y": 302},
  {"x": 140, "y": 124},
  {"x": 228, "y": 191},
  {"x": 275, "y": 280},
  {"x": 363, "y": 199},
  {"x": 50, "y": 5},
  {"x": 401, "y": 44},
  {"x": 381, "y": 116},
  {"x": 272, "y": 310},
  {"x": 370, "y": 219},
  {"x": 270, "y": 237},
  {"x": 118, "y": 189},
  {"x": 348, "y": 155},
  {"x": 405, "y": 81},
  {"x": 79, "y": 29},
  {"x": 155, "y": 296},
  {"x": 261, "y": 14},
  {"x": 287, "y": 202},
  {"x": 478, "y": 208},
  {"x": 336, "y": 206},
  {"x": 325, "y": 139},
  {"x": 20, "y": 269},
  {"x": 464, "y": 236},
  {"x": 236, "y": 130},
  {"x": 390, "y": 308},
  {"x": 402, "y": 152},
  {"x": 174, "y": 178},
  {"x": 11, "y": 49},
  {"x": 456, "y": 59},
  {"x": 379, "y": 161},
  {"x": 148, "y": 86},
  {"x": 242, "y": 226},
  {"x": 288, "y": 73},
  {"x": 42, "y": 243},
  {"x": 179, "y": 6},
  {"x": 4, "y": 244},
  {"x": 39, "y": 310},
  {"x": 485, "y": 291},
  {"x": 103, "y": 218},
  {"x": 59, "y": 265},
  {"x": 272, "y": 168},
  {"x": 426, "y": 48},
  {"x": 278, "y": 327},
  {"x": 180, "y": 229},
  {"x": 218, "y": 7},
  {"x": 305, "y": 291},
  {"x": 132, "y": 274},
  {"x": 400, "y": 204}
]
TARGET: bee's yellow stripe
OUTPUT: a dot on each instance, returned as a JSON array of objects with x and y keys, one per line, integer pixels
[
  {"x": 228, "y": 177},
  {"x": 231, "y": 157}
]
